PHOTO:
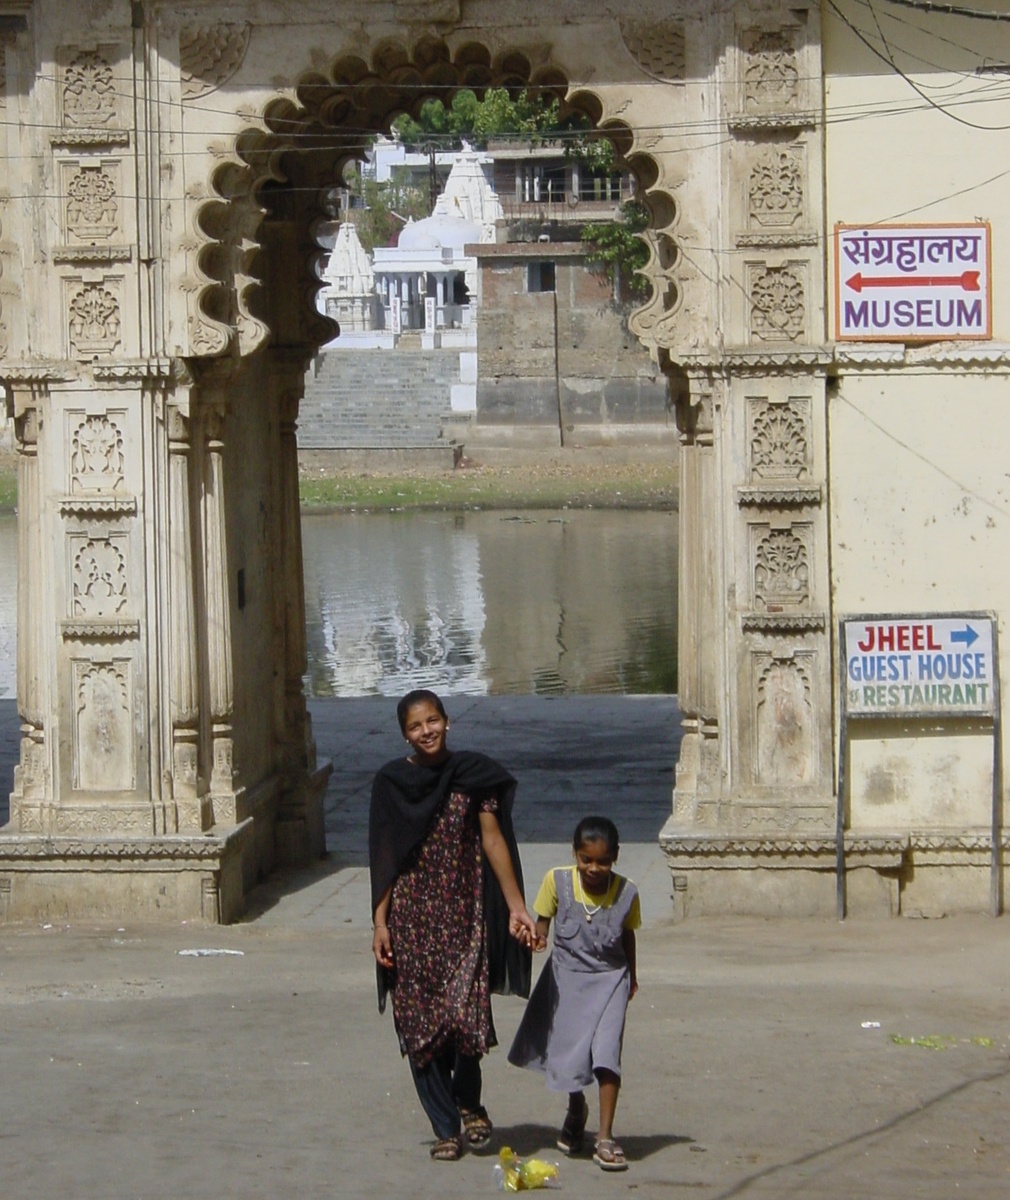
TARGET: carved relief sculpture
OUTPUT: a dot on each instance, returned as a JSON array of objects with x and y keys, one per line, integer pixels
[
  {"x": 94, "y": 321},
  {"x": 92, "y": 209},
  {"x": 781, "y": 563},
  {"x": 96, "y": 455},
  {"x": 778, "y": 303},
  {"x": 775, "y": 188},
  {"x": 98, "y": 586},
  {"x": 785, "y": 750},
  {"x": 658, "y": 47},
  {"x": 779, "y": 444},
  {"x": 771, "y": 77},
  {"x": 210, "y": 55},
  {"x": 89, "y": 92},
  {"x": 103, "y": 741}
]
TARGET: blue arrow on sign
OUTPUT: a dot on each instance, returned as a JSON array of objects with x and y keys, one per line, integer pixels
[{"x": 966, "y": 635}]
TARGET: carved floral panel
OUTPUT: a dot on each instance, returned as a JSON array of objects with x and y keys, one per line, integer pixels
[
  {"x": 779, "y": 441},
  {"x": 780, "y": 565},
  {"x": 94, "y": 322},
  {"x": 98, "y": 576},
  {"x": 92, "y": 202},
  {"x": 95, "y": 444},
  {"x": 778, "y": 307},
  {"x": 89, "y": 90},
  {"x": 775, "y": 188},
  {"x": 771, "y": 74}
]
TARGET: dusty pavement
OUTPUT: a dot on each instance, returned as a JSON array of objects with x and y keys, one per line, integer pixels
[{"x": 762, "y": 1059}]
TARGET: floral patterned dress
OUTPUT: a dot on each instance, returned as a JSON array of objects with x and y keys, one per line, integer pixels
[{"x": 441, "y": 995}]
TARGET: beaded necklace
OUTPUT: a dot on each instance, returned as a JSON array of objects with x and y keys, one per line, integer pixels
[{"x": 590, "y": 912}]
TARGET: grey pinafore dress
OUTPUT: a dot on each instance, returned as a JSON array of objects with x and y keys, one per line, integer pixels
[{"x": 574, "y": 1022}]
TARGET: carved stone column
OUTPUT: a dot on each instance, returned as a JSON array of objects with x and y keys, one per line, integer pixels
[
  {"x": 700, "y": 642},
  {"x": 31, "y": 782},
  {"x": 300, "y": 835},
  {"x": 223, "y": 794},
  {"x": 192, "y": 808}
]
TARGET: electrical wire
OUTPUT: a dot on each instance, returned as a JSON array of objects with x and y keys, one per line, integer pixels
[
  {"x": 915, "y": 88},
  {"x": 950, "y": 10}
]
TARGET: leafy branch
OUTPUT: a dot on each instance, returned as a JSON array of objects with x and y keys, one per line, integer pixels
[{"x": 618, "y": 248}]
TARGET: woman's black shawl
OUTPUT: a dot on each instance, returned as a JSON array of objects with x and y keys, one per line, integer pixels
[{"x": 406, "y": 798}]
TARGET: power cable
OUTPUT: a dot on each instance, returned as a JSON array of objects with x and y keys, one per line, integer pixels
[
  {"x": 950, "y": 10},
  {"x": 901, "y": 74}
]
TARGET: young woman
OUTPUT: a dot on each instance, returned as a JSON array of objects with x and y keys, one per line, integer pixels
[{"x": 450, "y": 925}]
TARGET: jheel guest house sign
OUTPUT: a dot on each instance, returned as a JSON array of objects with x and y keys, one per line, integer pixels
[
  {"x": 916, "y": 666},
  {"x": 901, "y": 283}
]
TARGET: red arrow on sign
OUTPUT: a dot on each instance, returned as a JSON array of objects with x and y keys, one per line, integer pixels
[{"x": 968, "y": 280}]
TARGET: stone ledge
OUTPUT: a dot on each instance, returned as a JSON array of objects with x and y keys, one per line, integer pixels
[{"x": 194, "y": 878}]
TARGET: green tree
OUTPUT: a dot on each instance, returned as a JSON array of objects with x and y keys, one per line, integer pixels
[
  {"x": 502, "y": 114},
  {"x": 617, "y": 248},
  {"x": 386, "y": 207}
]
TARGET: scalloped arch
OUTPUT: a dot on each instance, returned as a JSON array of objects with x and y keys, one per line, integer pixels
[{"x": 269, "y": 194}]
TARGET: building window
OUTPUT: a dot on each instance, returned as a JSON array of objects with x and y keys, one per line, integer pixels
[{"x": 540, "y": 277}]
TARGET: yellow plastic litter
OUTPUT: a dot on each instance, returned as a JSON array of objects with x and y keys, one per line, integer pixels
[{"x": 515, "y": 1174}]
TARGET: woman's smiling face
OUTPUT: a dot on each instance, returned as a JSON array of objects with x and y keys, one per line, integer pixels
[{"x": 425, "y": 729}]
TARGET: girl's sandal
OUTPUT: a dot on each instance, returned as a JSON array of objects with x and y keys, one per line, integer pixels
[
  {"x": 573, "y": 1130},
  {"x": 609, "y": 1156},
  {"x": 477, "y": 1127},
  {"x": 447, "y": 1149}
]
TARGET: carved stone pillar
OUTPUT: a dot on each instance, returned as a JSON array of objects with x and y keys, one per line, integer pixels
[
  {"x": 701, "y": 618},
  {"x": 192, "y": 809},
  {"x": 300, "y": 835},
  {"x": 31, "y": 774},
  {"x": 220, "y": 683}
]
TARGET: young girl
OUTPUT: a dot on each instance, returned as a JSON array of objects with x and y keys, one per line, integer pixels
[{"x": 573, "y": 1026}]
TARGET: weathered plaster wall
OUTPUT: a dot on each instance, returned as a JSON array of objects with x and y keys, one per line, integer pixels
[
  {"x": 918, "y": 480},
  {"x": 563, "y": 357}
]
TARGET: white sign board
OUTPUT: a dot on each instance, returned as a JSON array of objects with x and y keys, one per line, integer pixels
[
  {"x": 899, "y": 666},
  {"x": 429, "y": 314},
  {"x": 902, "y": 283}
]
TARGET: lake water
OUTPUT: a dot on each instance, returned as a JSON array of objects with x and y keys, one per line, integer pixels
[
  {"x": 576, "y": 602},
  {"x": 488, "y": 603}
]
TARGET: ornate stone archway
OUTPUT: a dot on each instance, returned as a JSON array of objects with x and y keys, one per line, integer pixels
[{"x": 156, "y": 325}]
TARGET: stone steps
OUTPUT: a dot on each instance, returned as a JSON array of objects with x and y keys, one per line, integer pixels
[{"x": 377, "y": 398}]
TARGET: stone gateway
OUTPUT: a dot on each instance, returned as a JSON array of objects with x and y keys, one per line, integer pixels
[{"x": 165, "y": 167}]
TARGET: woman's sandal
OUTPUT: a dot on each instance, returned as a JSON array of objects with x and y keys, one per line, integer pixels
[
  {"x": 447, "y": 1149},
  {"x": 477, "y": 1127},
  {"x": 609, "y": 1156},
  {"x": 573, "y": 1130}
]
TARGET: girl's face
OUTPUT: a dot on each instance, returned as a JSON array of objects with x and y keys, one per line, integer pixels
[
  {"x": 594, "y": 862},
  {"x": 425, "y": 729}
]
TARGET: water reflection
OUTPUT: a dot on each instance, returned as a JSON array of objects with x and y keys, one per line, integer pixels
[{"x": 578, "y": 602}]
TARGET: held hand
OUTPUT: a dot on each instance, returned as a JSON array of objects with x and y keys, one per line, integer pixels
[
  {"x": 523, "y": 928},
  {"x": 634, "y": 989},
  {"x": 382, "y": 946}
]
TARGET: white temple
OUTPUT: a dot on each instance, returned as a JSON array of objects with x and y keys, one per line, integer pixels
[
  {"x": 427, "y": 281},
  {"x": 349, "y": 294}
]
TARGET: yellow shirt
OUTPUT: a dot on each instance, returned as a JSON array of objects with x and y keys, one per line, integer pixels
[{"x": 546, "y": 903}]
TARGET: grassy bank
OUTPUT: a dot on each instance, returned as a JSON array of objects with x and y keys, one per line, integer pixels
[{"x": 548, "y": 485}]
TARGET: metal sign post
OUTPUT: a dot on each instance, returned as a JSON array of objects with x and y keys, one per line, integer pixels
[{"x": 920, "y": 667}]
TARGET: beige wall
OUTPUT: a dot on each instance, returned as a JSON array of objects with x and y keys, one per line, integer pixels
[{"x": 918, "y": 465}]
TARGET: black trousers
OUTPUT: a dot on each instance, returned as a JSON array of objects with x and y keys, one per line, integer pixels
[{"x": 444, "y": 1086}]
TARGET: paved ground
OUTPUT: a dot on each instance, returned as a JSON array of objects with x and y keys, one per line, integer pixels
[{"x": 763, "y": 1059}]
